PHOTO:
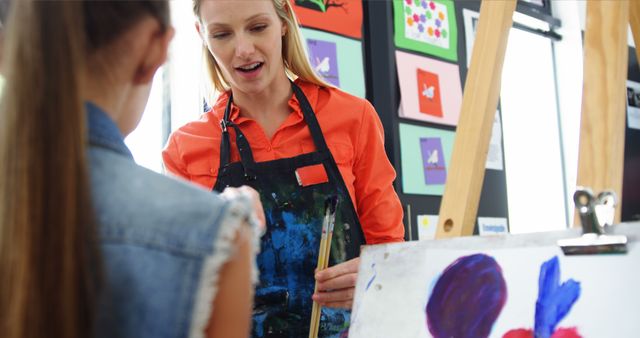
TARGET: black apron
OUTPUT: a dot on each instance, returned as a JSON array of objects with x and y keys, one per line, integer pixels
[{"x": 294, "y": 214}]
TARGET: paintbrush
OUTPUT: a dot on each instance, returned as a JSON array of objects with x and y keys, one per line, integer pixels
[{"x": 324, "y": 252}]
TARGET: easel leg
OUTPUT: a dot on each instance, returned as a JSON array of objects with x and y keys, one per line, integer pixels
[
  {"x": 466, "y": 172},
  {"x": 601, "y": 155},
  {"x": 634, "y": 21}
]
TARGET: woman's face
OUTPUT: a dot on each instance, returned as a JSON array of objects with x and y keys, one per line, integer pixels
[{"x": 245, "y": 38}]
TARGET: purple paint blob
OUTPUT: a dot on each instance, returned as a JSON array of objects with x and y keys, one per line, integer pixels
[
  {"x": 424, "y": 4},
  {"x": 555, "y": 299},
  {"x": 420, "y": 28},
  {"x": 423, "y": 18},
  {"x": 467, "y": 298},
  {"x": 438, "y": 22}
]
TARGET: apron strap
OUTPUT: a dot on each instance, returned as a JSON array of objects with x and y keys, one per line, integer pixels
[
  {"x": 310, "y": 118},
  {"x": 225, "y": 144},
  {"x": 246, "y": 156}
]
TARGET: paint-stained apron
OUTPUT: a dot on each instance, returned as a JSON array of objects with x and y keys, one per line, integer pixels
[{"x": 293, "y": 193}]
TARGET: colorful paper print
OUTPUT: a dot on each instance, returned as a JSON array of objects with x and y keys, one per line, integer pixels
[
  {"x": 337, "y": 16},
  {"x": 347, "y": 69},
  {"x": 427, "y": 26},
  {"x": 324, "y": 60},
  {"x": 429, "y": 93},
  {"x": 424, "y": 168},
  {"x": 416, "y": 85},
  {"x": 435, "y": 170}
]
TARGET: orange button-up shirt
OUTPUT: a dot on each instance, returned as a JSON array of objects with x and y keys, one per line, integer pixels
[{"x": 351, "y": 128}]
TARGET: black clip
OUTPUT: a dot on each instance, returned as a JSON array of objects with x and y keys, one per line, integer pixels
[{"x": 223, "y": 125}]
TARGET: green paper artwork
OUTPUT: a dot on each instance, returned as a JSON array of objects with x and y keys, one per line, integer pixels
[
  {"x": 348, "y": 53},
  {"x": 427, "y": 26},
  {"x": 422, "y": 150}
]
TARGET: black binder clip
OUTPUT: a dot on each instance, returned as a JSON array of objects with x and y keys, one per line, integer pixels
[{"x": 596, "y": 214}]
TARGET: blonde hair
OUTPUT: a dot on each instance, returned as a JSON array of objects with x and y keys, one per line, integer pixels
[{"x": 296, "y": 62}]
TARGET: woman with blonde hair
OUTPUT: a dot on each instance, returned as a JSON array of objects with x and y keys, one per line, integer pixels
[
  {"x": 278, "y": 127},
  {"x": 92, "y": 245}
]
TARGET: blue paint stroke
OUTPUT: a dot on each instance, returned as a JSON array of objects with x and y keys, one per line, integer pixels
[
  {"x": 259, "y": 323},
  {"x": 554, "y": 299},
  {"x": 373, "y": 267},
  {"x": 467, "y": 298}
]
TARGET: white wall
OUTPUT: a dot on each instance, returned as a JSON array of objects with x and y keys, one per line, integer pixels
[
  {"x": 569, "y": 68},
  {"x": 185, "y": 66}
]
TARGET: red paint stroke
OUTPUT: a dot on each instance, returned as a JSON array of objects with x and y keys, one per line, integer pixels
[
  {"x": 519, "y": 333},
  {"x": 570, "y": 332}
]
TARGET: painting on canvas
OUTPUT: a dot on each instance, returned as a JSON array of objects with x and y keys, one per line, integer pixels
[{"x": 517, "y": 286}]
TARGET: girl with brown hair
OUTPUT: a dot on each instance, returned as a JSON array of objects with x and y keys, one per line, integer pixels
[{"x": 92, "y": 245}]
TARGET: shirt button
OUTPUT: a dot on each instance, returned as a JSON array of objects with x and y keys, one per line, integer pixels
[{"x": 269, "y": 148}]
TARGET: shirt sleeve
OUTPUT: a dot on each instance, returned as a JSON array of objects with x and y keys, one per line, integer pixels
[
  {"x": 172, "y": 159},
  {"x": 378, "y": 204}
]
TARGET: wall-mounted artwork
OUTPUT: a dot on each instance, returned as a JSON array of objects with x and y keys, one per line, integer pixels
[
  {"x": 514, "y": 286},
  {"x": 435, "y": 168},
  {"x": 470, "y": 27},
  {"x": 633, "y": 105},
  {"x": 492, "y": 226},
  {"x": 338, "y": 16},
  {"x": 336, "y": 59},
  {"x": 429, "y": 93},
  {"x": 425, "y": 155},
  {"x": 427, "y": 225},
  {"x": 494, "y": 154},
  {"x": 430, "y": 90},
  {"x": 427, "y": 26},
  {"x": 324, "y": 60}
]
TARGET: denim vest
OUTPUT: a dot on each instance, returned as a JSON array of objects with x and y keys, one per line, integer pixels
[{"x": 162, "y": 242}]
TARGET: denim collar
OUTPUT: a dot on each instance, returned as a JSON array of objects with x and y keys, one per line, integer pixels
[{"x": 103, "y": 132}]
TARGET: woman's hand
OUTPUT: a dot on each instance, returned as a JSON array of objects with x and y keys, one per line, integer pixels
[
  {"x": 336, "y": 285},
  {"x": 247, "y": 191}
]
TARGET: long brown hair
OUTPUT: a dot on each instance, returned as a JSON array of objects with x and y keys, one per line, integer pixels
[
  {"x": 294, "y": 55},
  {"x": 49, "y": 256}
]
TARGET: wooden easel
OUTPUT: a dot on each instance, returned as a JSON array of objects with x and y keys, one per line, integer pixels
[{"x": 603, "y": 120}]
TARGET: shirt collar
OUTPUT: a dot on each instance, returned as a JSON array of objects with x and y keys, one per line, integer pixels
[
  {"x": 103, "y": 131},
  {"x": 310, "y": 91}
]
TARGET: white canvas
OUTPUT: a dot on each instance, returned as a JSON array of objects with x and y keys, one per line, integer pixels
[{"x": 395, "y": 284}]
